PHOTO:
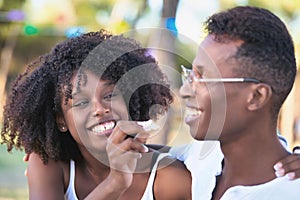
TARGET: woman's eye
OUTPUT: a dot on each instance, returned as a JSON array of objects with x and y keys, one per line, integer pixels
[
  {"x": 80, "y": 103},
  {"x": 110, "y": 95}
]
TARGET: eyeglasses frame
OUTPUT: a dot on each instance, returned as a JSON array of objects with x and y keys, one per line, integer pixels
[{"x": 188, "y": 75}]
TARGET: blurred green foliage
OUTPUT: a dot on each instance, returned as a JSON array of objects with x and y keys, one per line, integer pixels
[{"x": 12, "y": 179}]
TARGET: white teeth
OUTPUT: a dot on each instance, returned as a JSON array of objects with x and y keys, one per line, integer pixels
[
  {"x": 103, "y": 127},
  {"x": 192, "y": 112},
  {"x": 149, "y": 125}
]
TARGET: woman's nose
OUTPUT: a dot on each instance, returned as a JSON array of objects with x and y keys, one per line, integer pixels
[{"x": 100, "y": 109}]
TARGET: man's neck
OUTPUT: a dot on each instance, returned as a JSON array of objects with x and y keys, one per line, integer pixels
[{"x": 249, "y": 161}]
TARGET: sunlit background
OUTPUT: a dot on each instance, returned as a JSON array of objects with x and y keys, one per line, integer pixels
[{"x": 30, "y": 28}]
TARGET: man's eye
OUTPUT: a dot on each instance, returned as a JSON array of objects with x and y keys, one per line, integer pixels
[{"x": 198, "y": 74}]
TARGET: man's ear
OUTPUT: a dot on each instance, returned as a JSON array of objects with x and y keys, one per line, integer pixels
[
  {"x": 61, "y": 124},
  {"x": 260, "y": 95}
]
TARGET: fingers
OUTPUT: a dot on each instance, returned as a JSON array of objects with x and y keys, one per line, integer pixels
[
  {"x": 26, "y": 157},
  {"x": 138, "y": 146},
  {"x": 142, "y": 137},
  {"x": 296, "y": 149},
  {"x": 123, "y": 151},
  {"x": 134, "y": 143},
  {"x": 289, "y": 166},
  {"x": 124, "y": 128},
  {"x": 123, "y": 156},
  {"x": 128, "y": 145}
]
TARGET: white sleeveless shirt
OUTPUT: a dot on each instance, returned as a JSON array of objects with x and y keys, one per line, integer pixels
[{"x": 148, "y": 194}]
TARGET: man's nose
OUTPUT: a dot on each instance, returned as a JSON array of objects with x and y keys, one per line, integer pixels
[{"x": 186, "y": 90}]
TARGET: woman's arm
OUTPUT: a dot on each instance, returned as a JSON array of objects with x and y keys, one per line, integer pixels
[
  {"x": 44, "y": 181},
  {"x": 47, "y": 182},
  {"x": 173, "y": 181}
]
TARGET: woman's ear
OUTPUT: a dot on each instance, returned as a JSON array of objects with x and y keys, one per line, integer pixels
[
  {"x": 61, "y": 124},
  {"x": 259, "y": 97}
]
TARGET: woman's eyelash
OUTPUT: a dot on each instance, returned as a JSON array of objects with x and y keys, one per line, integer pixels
[
  {"x": 80, "y": 103},
  {"x": 110, "y": 95}
]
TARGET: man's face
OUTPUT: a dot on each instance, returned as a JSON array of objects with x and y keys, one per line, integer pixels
[{"x": 211, "y": 107}]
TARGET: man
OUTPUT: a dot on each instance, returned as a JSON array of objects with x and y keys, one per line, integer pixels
[{"x": 243, "y": 71}]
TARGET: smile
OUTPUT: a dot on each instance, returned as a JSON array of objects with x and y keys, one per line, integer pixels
[
  {"x": 193, "y": 112},
  {"x": 104, "y": 128}
]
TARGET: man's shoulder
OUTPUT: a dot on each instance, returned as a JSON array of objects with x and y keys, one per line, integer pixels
[
  {"x": 284, "y": 185},
  {"x": 277, "y": 189},
  {"x": 280, "y": 188}
]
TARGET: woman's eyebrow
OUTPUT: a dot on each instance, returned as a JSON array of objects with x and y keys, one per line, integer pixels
[
  {"x": 76, "y": 92},
  {"x": 74, "y": 95}
]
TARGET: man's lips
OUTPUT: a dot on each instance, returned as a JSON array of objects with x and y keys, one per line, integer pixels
[{"x": 192, "y": 111}]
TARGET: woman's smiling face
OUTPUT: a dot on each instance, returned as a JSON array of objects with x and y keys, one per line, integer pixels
[{"x": 93, "y": 111}]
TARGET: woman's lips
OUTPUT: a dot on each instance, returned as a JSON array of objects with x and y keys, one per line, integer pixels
[{"x": 103, "y": 128}]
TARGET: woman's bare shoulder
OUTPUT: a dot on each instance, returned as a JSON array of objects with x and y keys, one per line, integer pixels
[
  {"x": 173, "y": 180},
  {"x": 46, "y": 180},
  {"x": 35, "y": 162}
]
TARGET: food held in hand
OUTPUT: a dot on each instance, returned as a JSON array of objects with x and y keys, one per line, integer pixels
[{"x": 149, "y": 125}]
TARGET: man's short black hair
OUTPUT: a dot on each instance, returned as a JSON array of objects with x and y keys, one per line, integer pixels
[{"x": 266, "y": 52}]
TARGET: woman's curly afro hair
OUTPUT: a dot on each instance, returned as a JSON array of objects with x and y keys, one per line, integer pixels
[{"x": 37, "y": 95}]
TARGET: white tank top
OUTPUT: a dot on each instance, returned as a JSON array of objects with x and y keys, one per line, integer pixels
[{"x": 148, "y": 194}]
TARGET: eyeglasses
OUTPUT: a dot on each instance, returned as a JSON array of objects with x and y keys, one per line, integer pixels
[{"x": 189, "y": 76}]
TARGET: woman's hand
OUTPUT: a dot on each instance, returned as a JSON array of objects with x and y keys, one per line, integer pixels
[
  {"x": 124, "y": 148},
  {"x": 289, "y": 166}
]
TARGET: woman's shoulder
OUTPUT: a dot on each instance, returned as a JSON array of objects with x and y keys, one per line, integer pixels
[
  {"x": 37, "y": 162},
  {"x": 173, "y": 180},
  {"x": 46, "y": 180},
  {"x": 52, "y": 171},
  {"x": 168, "y": 165}
]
